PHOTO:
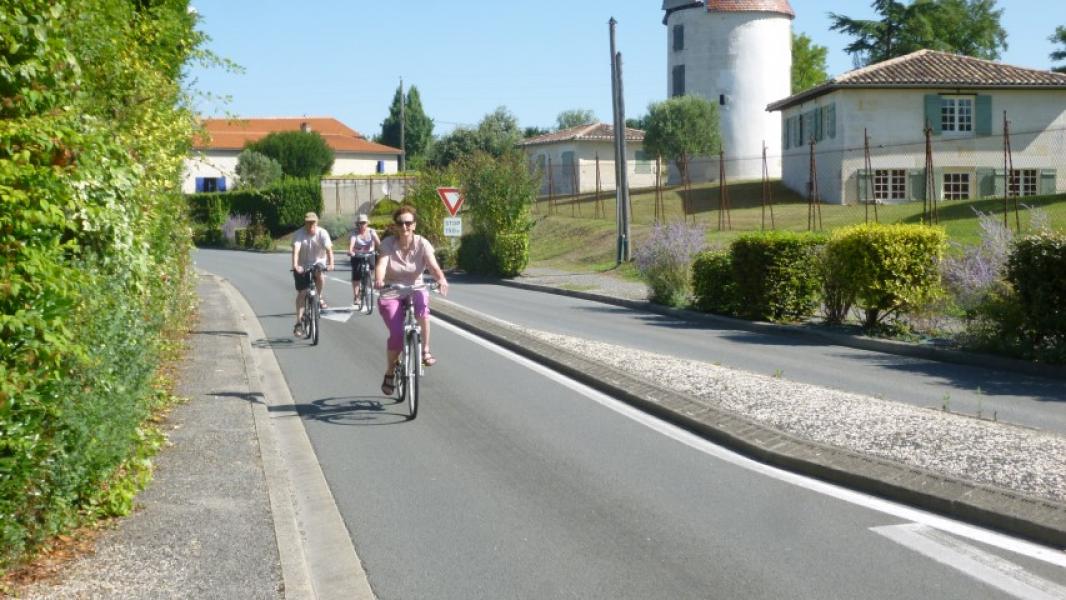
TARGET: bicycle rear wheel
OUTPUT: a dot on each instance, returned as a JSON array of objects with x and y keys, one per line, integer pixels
[
  {"x": 308, "y": 318},
  {"x": 412, "y": 360}
]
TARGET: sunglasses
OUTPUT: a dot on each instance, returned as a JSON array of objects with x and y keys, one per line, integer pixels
[{"x": 406, "y": 223}]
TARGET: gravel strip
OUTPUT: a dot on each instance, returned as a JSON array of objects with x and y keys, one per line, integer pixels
[{"x": 1024, "y": 460}]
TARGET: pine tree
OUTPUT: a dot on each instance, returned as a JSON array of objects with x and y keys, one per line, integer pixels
[{"x": 418, "y": 129}]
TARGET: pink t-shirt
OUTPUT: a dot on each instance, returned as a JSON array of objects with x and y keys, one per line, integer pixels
[{"x": 405, "y": 267}]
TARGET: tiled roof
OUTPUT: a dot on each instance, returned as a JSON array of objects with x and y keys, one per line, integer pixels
[
  {"x": 932, "y": 69},
  {"x": 598, "y": 132},
  {"x": 233, "y": 134},
  {"x": 777, "y": 6}
]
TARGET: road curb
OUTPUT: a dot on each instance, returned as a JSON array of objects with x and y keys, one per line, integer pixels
[
  {"x": 924, "y": 351},
  {"x": 317, "y": 556},
  {"x": 1036, "y": 519}
]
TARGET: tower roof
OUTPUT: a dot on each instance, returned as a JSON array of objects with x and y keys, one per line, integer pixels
[{"x": 774, "y": 6}]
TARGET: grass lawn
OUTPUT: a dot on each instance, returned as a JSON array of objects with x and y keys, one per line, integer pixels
[{"x": 572, "y": 239}]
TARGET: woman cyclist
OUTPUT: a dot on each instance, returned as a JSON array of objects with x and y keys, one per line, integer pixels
[
  {"x": 402, "y": 259},
  {"x": 363, "y": 242}
]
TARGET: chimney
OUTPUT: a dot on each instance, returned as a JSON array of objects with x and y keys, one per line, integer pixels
[{"x": 305, "y": 127}]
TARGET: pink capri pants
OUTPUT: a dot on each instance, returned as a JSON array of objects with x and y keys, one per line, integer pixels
[{"x": 391, "y": 310}]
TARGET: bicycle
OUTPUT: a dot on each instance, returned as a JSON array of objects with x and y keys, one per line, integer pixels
[
  {"x": 366, "y": 282},
  {"x": 409, "y": 369},
  {"x": 312, "y": 307}
]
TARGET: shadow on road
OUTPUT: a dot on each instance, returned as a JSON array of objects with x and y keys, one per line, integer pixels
[{"x": 348, "y": 410}]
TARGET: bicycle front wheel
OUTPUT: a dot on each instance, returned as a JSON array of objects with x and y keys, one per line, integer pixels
[
  {"x": 412, "y": 360},
  {"x": 368, "y": 294},
  {"x": 316, "y": 312}
]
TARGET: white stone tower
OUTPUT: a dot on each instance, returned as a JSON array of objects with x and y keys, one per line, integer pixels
[{"x": 738, "y": 55}]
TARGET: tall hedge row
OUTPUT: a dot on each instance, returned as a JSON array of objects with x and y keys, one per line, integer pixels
[
  {"x": 280, "y": 207},
  {"x": 94, "y": 239}
]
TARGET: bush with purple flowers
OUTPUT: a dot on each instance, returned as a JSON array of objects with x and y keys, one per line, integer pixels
[
  {"x": 664, "y": 261},
  {"x": 972, "y": 273}
]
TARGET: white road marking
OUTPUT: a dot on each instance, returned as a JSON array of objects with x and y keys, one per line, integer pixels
[
  {"x": 972, "y": 532},
  {"x": 987, "y": 568}
]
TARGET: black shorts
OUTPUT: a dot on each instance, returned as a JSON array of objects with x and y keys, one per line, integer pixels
[
  {"x": 302, "y": 280},
  {"x": 357, "y": 264}
]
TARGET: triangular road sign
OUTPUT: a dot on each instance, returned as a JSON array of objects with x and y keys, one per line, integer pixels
[{"x": 452, "y": 198}]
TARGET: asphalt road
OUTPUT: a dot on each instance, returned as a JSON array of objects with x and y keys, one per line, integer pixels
[
  {"x": 1010, "y": 397},
  {"x": 514, "y": 483}
]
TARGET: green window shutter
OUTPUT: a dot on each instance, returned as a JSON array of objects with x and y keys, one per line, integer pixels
[
  {"x": 1047, "y": 181},
  {"x": 986, "y": 183},
  {"x": 983, "y": 116},
  {"x": 818, "y": 124},
  {"x": 832, "y": 120},
  {"x": 865, "y": 193},
  {"x": 999, "y": 183},
  {"x": 932, "y": 113},
  {"x": 786, "y": 133},
  {"x": 917, "y": 183}
]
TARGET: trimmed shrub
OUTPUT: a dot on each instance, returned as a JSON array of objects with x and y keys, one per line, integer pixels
[
  {"x": 280, "y": 208},
  {"x": 257, "y": 170},
  {"x": 1037, "y": 270},
  {"x": 776, "y": 274},
  {"x": 713, "y": 287},
  {"x": 301, "y": 154},
  {"x": 887, "y": 270},
  {"x": 475, "y": 256},
  {"x": 512, "y": 253}
]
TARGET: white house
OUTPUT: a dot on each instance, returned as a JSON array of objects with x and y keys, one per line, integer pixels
[
  {"x": 736, "y": 54},
  {"x": 964, "y": 101},
  {"x": 572, "y": 160},
  {"x": 212, "y": 165}
]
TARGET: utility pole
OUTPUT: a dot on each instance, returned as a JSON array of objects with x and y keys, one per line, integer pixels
[
  {"x": 621, "y": 174},
  {"x": 403, "y": 127}
]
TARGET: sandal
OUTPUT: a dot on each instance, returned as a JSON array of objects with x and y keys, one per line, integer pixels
[
  {"x": 322, "y": 304},
  {"x": 298, "y": 330},
  {"x": 388, "y": 384},
  {"x": 428, "y": 360}
]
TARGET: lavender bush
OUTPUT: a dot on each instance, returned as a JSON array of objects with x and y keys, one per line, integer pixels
[
  {"x": 664, "y": 261},
  {"x": 232, "y": 224},
  {"x": 974, "y": 272}
]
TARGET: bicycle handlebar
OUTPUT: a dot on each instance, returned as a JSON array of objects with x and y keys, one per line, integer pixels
[{"x": 400, "y": 287}]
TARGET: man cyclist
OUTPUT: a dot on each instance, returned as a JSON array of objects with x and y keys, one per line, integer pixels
[{"x": 310, "y": 245}]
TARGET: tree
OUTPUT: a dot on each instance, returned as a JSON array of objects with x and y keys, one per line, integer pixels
[
  {"x": 969, "y": 27},
  {"x": 574, "y": 118},
  {"x": 681, "y": 127},
  {"x": 450, "y": 148},
  {"x": 257, "y": 170},
  {"x": 534, "y": 131},
  {"x": 637, "y": 122},
  {"x": 498, "y": 132},
  {"x": 300, "y": 153},
  {"x": 808, "y": 63},
  {"x": 418, "y": 128},
  {"x": 1059, "y": 37}
]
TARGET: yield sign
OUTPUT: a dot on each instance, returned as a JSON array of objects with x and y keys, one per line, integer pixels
[{"x": 452, "y": 198}]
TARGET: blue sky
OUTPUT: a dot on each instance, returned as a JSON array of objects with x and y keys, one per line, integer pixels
[{"x": 345, "y": 58}]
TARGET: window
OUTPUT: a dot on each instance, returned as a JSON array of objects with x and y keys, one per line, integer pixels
[
  {"x": 679, "y": 38},
  {"x": 956, "y": 186},
  {"x": 721, "y": 99},
  {"x": 210, "y": 184},
  {"x": 956, "y": 113},
  {"x": 1023, "y": 182},
  {"x": 890, "y": 184},
  {"x": 678, "y": 81}
]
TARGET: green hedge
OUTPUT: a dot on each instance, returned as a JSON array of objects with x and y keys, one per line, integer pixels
[
  {"x": 512, "y": 253},
  {"x": 886, "y": 270},
  {"x": 1037, "y": 270},
  {"x": 776, "y": 275},
  {"x": 713, "y": 286},
  {"x": 95, "y": 277},
  {"x": 475, "y": 254},
  {"x": 281, "y": 207}
]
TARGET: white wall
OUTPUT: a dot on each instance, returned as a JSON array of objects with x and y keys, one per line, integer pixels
[
  {"x": 223, "y": 163},
  {"x": 746, "y": 56},
  {"x": 212, "y": 163},
  {"x": 585, "y": 153},
  {"x": 895, "y": 120}
]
